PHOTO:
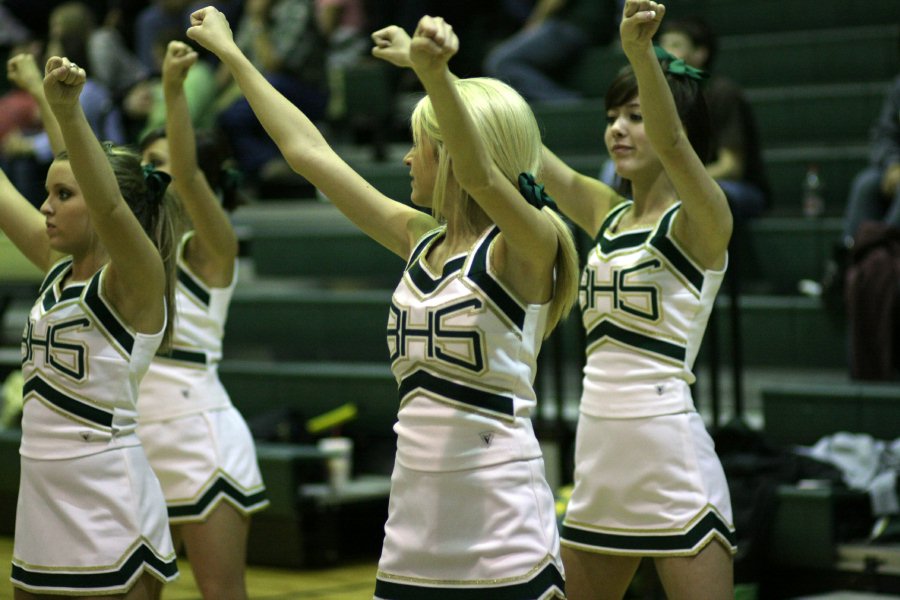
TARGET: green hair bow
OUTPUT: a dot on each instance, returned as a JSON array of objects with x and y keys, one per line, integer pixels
[
  {"x": 534, "y": 193},
  {"x": 677, "y": 66},
  {"x": 157, "y": 182}
]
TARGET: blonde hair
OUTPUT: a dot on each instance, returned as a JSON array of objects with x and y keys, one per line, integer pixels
[
  {"x": 161, "y": 217},
  {"x": 506, "y": 125}
]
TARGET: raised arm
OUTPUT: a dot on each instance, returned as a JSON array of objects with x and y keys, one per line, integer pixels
[
  {"x": 529, "y": 237},
  {"x": 583, "y": 199},
  {"x": 392, "y": 224},
  {"x": 24, "y": 225},
  {"x": 214, "y": 246},
  {"x": 135, "y": 281},
  {"x": 22, "y": 70},
  {"x": 704, "y": 225}
]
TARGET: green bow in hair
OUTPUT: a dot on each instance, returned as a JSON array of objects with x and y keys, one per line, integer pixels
[
  {"x": 677, "y": 66},
  {"x": 156, "y": 181},
  {"x": 534, "y": 193}
]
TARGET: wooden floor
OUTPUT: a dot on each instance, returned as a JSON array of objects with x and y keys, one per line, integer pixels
[{"x": 347, "y": 582}]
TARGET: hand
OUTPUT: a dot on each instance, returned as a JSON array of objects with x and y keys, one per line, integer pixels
[
  {"x": 176, "y": 64},
  {"x": 392, "y": 44},
  {"x": 432, "y": 45},
  {"x": 210, "y": 29},
  {"x": 22, "y": 70},
  {"x": 640, "y": 21},
  {"x": 63, "y": 81},
  {"x": 890, "y": 181}
]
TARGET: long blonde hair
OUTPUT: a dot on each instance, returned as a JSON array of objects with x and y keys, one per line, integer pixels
[{"x": 507, "y": 126}]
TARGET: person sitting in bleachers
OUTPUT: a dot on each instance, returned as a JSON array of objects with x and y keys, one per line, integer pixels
[
  {"x": 874, "y": 196},
  {"x": 146, "y": 106},
  {"x": 736, "y": 159},
  {"x": 27, "y": 154},
  {"x": 555, "y": 35},
  {"x": 282, "y": 40},
  {"x": 18, "y": 109},
  {"x": 863, "y": 276},
  {"x": 875, "y": 191}
]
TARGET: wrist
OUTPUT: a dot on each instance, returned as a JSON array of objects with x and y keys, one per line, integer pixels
[
  {"x": 430, "y": 73},
  {"x": 230, "y": 55},
  {"x": 638, "y": 49},
  {"x": 64, "y": 110},
  {"x": 171, "y": 88}
]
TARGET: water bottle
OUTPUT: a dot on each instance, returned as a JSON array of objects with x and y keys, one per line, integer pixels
[{"x": 813, "y": 202}]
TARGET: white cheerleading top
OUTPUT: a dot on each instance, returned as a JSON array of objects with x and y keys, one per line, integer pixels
[
  {"x": 185, "y": 380},
  {"x": 463, "y": 350},
  {"x": 645, "y": 305},
  {"x": 81, "y": 365}
]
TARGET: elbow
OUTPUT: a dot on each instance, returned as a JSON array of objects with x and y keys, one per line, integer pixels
[
  {"x": 309, "y": 158},
  {"x": 296, "y": 155},
  {"x": 476, "y": 181},
  {"x": 669, "y": 141},
  {"x": 232, "y": 245},
  {"x": 675, "y": 142}
]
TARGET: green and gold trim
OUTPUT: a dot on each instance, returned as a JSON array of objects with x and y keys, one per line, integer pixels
[
  {"x": 423, "y": 382},
  {"x": 220, "y": 489},
  {"x": 685, "y": 542},
  {"x": 548, "y": 583},
  {"x": 105, "y": 580},
  {"x": 69, "y": 406},
  {"x": 607, "y": 331}
]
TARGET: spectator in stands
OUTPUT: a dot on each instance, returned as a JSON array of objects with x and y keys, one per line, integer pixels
[
  {"x": 18, "y": 107},
  {"x": 555, "y": 35},
  {"x": 861, "y": 278},
  {"x": 874, "y": 196},
  {"x": 26, "y": 155},
  {"x": 88, "y": 499},
  {"x": 647, "y": 480},
  {"x": 165, "y": 15},
  {"x": 146, "y": 104},
  {"x": 110, "y": 60},
  {"x": 345, "y": 29},
  {"x": 158, "y": 16},
  {"x": 735, "y": 157},
  {"x": 73, "y": 33},
  {"x": 493, "y": 272},
  {"x": 344, "y": 26},
  {"x": 195, "y": 439},
  {"x": 21, "y": 117},
  {"x": 875, "y": 191},
  {"x": 12, "y": 31},
  {"x": 282, "y": 41}
]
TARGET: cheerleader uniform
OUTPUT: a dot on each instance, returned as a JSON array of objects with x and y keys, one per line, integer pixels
[
  {"x": 197, "y": 442},
  {"x": 90, "y": 516},
  {"x": 647, "y": 478},
  {"x": 470, "y": 510}
]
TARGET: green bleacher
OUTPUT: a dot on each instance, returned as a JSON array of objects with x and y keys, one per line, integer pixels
[
  {"x": 737, "y": 17},
  {"x": 288, "y": 322},
  {"x": 811, "y": 56}
]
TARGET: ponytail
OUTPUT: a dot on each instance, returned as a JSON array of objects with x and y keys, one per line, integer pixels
[{"x": 146, "y": 192}]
